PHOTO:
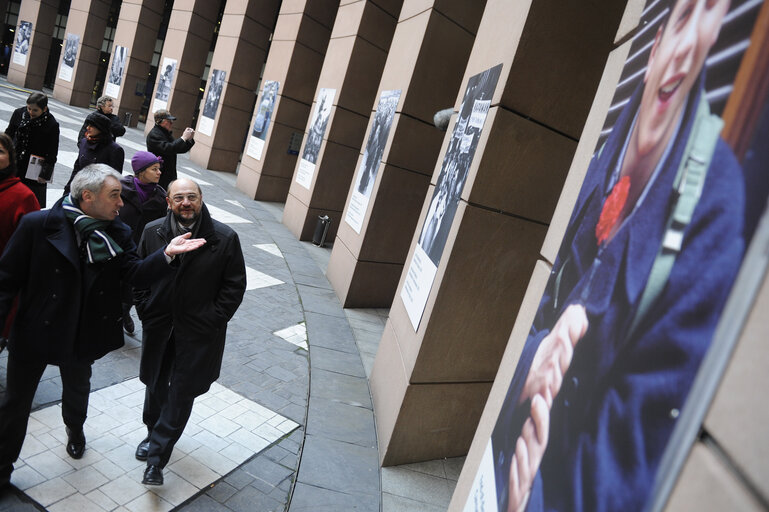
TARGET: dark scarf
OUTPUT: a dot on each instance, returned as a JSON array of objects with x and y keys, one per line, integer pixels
[
  {"x": 99, "y": 246},
  {"x": 24, "y": 131},
  {"x": 144, "y": 190}
]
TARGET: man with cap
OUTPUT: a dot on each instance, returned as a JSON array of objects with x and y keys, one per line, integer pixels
[
  {"x": 97, "y": 147},
  {"x": 143, "y": 201},
  {"x": 161, "y": 142}
]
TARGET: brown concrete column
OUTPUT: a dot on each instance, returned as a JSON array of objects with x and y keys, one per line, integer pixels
[
  {"x": 136, "y": 33},
  {"x": 353, "y": 67},
  {"x": 85, "y": 31},
  {"x": 375, "y": 234},
  {"x": 188, "y": 39},
  {"x": 448, "y": 328},
  {"x": 32, "y": 44},
  {"x": 241, "y": 46},
  {"x": 296, "y": 56}
]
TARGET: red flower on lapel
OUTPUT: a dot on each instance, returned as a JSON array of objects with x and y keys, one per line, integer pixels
[{"x": 612, "y": 208}]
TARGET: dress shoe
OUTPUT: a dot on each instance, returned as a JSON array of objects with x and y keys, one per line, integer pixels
[
  {"x": 143, "y": 450},
  {"x": 75, "y": 443},
  {"x": 153, "y": 475},
  {"x": 128, "y": 322}
]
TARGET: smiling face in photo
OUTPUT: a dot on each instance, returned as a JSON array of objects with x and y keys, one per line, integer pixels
[{"x": 678, "y": 54}]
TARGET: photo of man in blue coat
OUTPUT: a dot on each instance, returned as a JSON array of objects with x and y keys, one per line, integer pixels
[
  {"x": 66, "y": 266},
  {"x": 653, "y": 246}
]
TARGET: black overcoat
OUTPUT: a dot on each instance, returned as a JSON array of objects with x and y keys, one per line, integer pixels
[
  {"x": 43, "y": 142},
  {"x": 195, "y": 301},
  {"x": 67, "y": 309},
  {"x": 162, "y": 143}
]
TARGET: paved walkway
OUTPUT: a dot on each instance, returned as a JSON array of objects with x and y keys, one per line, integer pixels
[{"x": 288, "y": 426}]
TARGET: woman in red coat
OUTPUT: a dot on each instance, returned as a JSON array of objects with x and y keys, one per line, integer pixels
[{"x": 15, "y": 200}]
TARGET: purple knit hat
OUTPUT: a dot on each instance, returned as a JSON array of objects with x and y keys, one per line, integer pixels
[{"x": 143, "y": 159}]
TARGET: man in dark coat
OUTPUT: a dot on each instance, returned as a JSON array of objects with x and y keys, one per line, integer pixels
[
  {"x": 184, "y": 317},
  {"x": 104, "y": 106},
  {"x": 97, "y": 147},
  {"x": 35, "y": 131},
  {"x": 66, "y": 266},
  {"x": 161, "y": 142}
]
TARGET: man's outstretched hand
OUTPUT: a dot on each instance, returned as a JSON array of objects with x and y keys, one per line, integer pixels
[{"x": 183, "y": 243}]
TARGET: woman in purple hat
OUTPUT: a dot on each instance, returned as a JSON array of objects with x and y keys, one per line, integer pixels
[{"x": 144, "y": 200}]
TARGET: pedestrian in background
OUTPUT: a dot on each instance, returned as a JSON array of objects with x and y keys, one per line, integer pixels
[
  {"x": 16, "y": 200},
  {"x": 143, "y": 201},
  {"x": 35, "y": 131},
  {"x": 161, "y": 142},
  {"x": 97, "y": 147},
  {"x": 104, "y": 106}
]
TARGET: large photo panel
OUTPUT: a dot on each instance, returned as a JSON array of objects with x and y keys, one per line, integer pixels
[{"x": 667, "y": 209}]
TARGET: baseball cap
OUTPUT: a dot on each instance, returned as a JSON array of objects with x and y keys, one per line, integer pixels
[{"x": 163, "y": 114}]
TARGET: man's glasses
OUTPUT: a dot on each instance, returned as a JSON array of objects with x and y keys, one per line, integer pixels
[{"x": 179, "y": 198}]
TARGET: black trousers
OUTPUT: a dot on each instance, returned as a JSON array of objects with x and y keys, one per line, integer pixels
[
  {"x": 22, "y": 380},
  {"x": 167, "y": 408}
]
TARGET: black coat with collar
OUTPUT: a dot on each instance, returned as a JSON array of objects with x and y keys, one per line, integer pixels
[
  {"x": 43, "y": 142},
  {"x": 68, "y": 309},
  {"x": 195, "y": 302},
  {"x": 162, "y": 143},
  {"x": 137, "y": 214}
]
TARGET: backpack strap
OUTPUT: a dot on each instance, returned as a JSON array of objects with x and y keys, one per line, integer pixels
[{"x": 687, "y": 189}]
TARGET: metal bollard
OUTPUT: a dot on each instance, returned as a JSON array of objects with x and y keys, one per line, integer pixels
[{"x": 321, "y": 230}]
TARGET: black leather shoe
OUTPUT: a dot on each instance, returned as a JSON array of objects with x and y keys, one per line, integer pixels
[
  {"x": 75, "y": 443},
  {"x": 153, "y": 475},
  {"x": 143, "y": 450},
  {"x": 128, "y": 324}
]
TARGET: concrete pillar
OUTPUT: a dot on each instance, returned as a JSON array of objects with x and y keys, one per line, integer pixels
[
  {"x": 228, "y": 101},
  {"x": 296, "y": 56},
  {"x": 375, "y": 232},
  {"x": 86, "y": 23},
  {"x": 188, "y": 39},
  {"x": 506, "y": 155},
  {"x": 135, "y": 37},
  {"x": 32, "y": 44},
  {"x": 353, "y": 66}
]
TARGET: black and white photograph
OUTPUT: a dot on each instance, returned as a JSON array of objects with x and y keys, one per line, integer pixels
[
  {"x": 115, "y": 73},
  {"x": 372, "y": 158},
  {"x": 23, "y": 40},
  {"x": 448, "y": 189},
  {"x": 318, "y": 125},
  {"x": 456, "y": 162},
  {"x": 266, "y": 106},
  {"x": 68, "y": 57},
  {"x": 641, "y": 283},
  {"x": 165, "y": 79},
  {"x": 215, "y": 87}
]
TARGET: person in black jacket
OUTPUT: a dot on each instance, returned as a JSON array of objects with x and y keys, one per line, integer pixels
[
  {"x": 66, "y": 265},
  {"x": 184, "y": 321},
  {"x": 104, "y": 106},
  {"x": 161, "y": 142},
  {"x": 97, "y": 147},
  {"x": 35, "y": 131},
  {"x": 143, "y": 201}
]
